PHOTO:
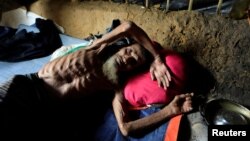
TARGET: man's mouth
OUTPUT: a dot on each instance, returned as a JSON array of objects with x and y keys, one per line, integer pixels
[{"x": 119, "y": 61}]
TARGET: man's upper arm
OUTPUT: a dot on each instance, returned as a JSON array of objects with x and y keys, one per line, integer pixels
[
  {"x": 119, "y": 106},
  {"x": 120, "y": 111}
]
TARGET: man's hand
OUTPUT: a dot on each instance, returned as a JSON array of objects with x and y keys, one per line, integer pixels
[
  {"x": 159, "y": 72},
  {"x": 181, "y": 104}
]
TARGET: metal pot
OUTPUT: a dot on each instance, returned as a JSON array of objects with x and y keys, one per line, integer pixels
[{"x": 224, "y": 112}]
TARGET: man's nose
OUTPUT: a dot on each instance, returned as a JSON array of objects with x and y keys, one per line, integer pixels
[{"x": 125, "y": 58}]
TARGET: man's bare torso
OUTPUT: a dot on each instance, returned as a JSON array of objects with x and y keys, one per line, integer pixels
[{"x": 78, "y": 73}]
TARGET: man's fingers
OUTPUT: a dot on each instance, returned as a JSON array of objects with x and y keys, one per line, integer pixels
[
  {"x": 155, "y": 75},
  {"x": 168, "y": 76},
  {"x": 181, "y": 96},
  {"x": 188, "y": 101},
  {"x": 186, "y": 96},
  {"x": 152, "y": 74},
  {"x": 159, "y": 82},
  {"x": 189, "y": 94},
  {"x": 162, "y": 81},
  {"x": 188, "y": 109},
  {"x": 163, "y": 78},
  {"x": 166, "y": 82}
]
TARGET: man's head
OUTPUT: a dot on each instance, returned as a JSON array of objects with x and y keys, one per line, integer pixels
[{"x": 125, "y": 61}]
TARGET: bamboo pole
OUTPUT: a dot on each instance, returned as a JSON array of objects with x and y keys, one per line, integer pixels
[
  {"x": 218, "y": 11},
  {"x": 167, "y": 5},
  {"x": 146, "y": 3},
  {"x": 190, "y": 5}
]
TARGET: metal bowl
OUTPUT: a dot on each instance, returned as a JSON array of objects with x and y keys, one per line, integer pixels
[{"x": 225, "y": 112}]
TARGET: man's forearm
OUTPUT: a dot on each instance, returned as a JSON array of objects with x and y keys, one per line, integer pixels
[
  {"x": 149, "y": 122},
  {"x": 130, "y": 30},
  {"x": 141, "y": 37}
]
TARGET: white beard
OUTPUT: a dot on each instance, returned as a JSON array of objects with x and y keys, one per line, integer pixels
[{"x": 109, "y": 69}]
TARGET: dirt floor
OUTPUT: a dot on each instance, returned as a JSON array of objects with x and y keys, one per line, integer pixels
[{"x": 218, "y": 43}]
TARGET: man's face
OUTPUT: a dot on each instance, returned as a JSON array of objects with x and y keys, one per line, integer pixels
[
  {"x": 129, "y": 58},
  {"x": 126, "y": 59}
]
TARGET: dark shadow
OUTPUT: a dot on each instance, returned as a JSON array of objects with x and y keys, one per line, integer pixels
[
  {"x": 200, "y": 80},
  {"x": 10, "y": 5},
  {"x": 184, "y": 133},
  {"x": 83, "y": 117},
  {"x": 25, "y": 2}
]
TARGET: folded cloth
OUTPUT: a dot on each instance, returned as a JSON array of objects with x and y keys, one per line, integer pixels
[
  {"x": 173, "y": 129},
  {"x": 29, "y": 45}
]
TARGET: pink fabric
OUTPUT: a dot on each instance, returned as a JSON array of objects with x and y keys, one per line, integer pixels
[{"x": 141, "y": 90}]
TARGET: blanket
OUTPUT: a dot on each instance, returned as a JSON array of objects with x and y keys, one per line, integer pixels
[
  {"x": 108, "y": 130},
  {"x": 22, "y": 45}
]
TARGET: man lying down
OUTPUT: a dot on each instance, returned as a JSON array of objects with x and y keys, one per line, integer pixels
[{"x": 28, "y": 101}]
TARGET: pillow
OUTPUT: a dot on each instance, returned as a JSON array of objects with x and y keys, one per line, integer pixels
[
  {"x": 141, "y": 91},
  {"x": 65, "y": 50}
]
